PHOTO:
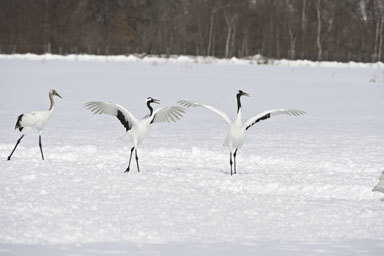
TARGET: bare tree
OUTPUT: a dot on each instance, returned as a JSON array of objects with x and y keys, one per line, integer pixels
[
  {"x": 217, "y": 6},
  {"x": 292, "y": 36},
  {"x": 231, "y": 20},
  {"x": 380, "y": 46},
  {"x": 318, "y": 36},
  {"x": 379, "y": 14},
  {"x": 303, "y": 26}
]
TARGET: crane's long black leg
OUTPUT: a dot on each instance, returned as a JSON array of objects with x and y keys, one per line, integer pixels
[
  {"x": 230, "y": 161},
  {"x": 137, "y": 161},
  {"x": 234, "y": 161},
  {"x": 41, "y": 149},
  {"x": 130, "y": 157},
  {"x": 17, "y": 143}
]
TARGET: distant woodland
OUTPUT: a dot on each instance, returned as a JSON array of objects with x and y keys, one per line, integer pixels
[{"x": 334, "y": 30}]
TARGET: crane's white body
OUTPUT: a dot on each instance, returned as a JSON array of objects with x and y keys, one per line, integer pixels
[
  {"x": 35, "y": 120},
  {"x": 236, "y": 134},
  {"x": 138, "y": 132}
]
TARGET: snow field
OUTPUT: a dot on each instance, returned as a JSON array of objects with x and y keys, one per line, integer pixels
[{"x": 304, "y": 183}]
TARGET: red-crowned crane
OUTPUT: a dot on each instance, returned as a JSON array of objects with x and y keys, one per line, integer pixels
[
  {"x": 237, "y": 128},
  {"x": 380, "y": 186},
  {"x": 136, "y": 130},
  {"x": 34, "y": 120}
]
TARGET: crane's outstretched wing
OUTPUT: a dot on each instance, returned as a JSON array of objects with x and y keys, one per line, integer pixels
[
  {"x": 125, "y": 117},
  {"x": 380, "y": 185},
  {"x": 268, "y": 114},
  {"x": 187, "y": 103},
  {"x": 167, "y": 114}
]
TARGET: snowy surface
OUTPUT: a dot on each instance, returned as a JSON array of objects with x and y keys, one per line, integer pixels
[
  {"x": 304, "y": 185},
  {"x": 156, "y": 59}
]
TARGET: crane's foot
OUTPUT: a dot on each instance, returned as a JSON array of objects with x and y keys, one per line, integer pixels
[
  {"x": 9, "y": 158},
  {"x": 127, "y": 170}
]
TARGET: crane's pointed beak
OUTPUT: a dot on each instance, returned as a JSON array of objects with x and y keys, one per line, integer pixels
[
  {"x": 246, "y": 94},
  {"x": 156, "y": 101},
  {"x": 58, "y": 95}
]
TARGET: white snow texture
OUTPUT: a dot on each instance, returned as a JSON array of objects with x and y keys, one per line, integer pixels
[{"x": 304, "y": 184}]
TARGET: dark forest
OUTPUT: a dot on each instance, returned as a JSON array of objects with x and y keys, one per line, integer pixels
[{"x": 332, "y": 30}]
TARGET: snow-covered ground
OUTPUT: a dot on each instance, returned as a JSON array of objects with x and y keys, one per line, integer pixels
[
  {"x": 304, "y": 185},
  {"x": 155, "y": 59}
]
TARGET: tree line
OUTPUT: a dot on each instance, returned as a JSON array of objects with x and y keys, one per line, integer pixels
[{"x": 334, "y": 30}]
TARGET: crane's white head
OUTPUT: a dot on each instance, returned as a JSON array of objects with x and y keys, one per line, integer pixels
[
  {"x": 152, "y": 100},
  {"x": 54, "y": 93},
  {"x": 241, "y": 93}
]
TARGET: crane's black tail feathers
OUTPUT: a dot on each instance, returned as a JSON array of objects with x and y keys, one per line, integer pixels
[{"x": 18, "y": 123}]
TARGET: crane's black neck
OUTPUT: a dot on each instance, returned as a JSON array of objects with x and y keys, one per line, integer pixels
[
  {"x": 150, "y": 107},
  {"x": 238, "y": 102},
  {"x": 52, "y": 101}
]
